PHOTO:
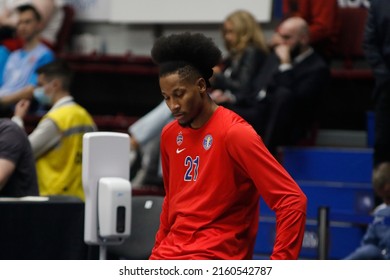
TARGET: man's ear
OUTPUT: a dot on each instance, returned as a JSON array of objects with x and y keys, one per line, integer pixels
[
  {"x": 57, "y": 83},
  {"x": 305, "y": 40},
  {"x": 201, "y": 83}
]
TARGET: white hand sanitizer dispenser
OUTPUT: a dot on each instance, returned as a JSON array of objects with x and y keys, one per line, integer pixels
[
  {"x": 113, "y": 208},
  {"x": 105, "y": 176}
]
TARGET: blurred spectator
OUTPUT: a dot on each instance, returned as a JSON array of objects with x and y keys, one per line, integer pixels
[
  {"x": 376, "y": 241},
  {"x": 323, "y": 20},
  {"x": 377, "y": 51},
  {"x": 17, "y": 166},
  {"x": 50, "y": 10},
  {"x": 247, "y": 51},
  {"x": 145, "y": 139},
  {"x": 288, "y": 92},
  {"x": 57, "y": 140},
  {"x": 18, "y": 78}
]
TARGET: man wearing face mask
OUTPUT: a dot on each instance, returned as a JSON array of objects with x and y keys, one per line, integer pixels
[
  {"x": 57, "y": 140},
  {"x": 288, "y": 87}
]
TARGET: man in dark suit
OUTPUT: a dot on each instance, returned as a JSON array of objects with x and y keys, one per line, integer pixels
[
  {"x": 289, "y": 87},
  {"x": 377, "y": 51}
]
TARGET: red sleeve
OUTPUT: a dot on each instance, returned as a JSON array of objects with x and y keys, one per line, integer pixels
[
  {"x": 163, "y": 229},
  {"x": 275, "y": 185},
  {"x": 321, "y": 21}
]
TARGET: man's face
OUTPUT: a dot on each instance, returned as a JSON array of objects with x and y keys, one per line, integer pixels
[
  {"x": 28, "y": 26},
  {"x": 384, "y": 193},
  {"x": 47, "y": 85},
  {"x": 289, "y": 34},
  {"x": 292, "y": 38},
  {"x": 183, "y": 98}
]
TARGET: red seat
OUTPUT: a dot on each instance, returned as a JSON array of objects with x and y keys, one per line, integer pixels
[
  {"x": 352, "y": 25},
  {"x": 349, "y": 48}
]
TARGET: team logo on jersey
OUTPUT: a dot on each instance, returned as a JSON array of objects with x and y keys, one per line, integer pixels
[
  {"x": 32, "y": 59},
  {"x": 179, "y": 138},
  {"x": 207, "y": 142}
]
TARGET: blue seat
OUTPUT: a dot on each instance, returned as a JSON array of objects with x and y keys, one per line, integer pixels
[
  {"x": 342, "y": 198},
  {"x": 329, "y": 164},
  {"x": 336, "y": 178},
  {"x": 344, "y": 237}
]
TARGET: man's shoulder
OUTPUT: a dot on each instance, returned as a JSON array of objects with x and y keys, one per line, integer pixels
[
  {"x": 170, "y": 128},
  {"x": 316, "y": 58},
  {"x": 40, "y": 51},
  {"x": 312, "y": 64},
  {"x": 69, "y": 113},
  {"x": 69, "y": 108},
  {"x": 382, "y": 210},
  {"x": 15, "y": 53},
  {"x": 233, "y": 124},
  {"x": 9, "y": 125},
  {"x": 226, "y": 114},
  {"x": 44, "y": 50},
  {"x": 11, "y": 133}
]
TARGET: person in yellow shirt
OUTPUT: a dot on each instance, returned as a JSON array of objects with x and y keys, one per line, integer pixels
[{"x": 57, "y": 139}]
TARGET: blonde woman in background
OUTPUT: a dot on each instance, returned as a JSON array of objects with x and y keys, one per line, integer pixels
[{"x": 247, "y": 50}]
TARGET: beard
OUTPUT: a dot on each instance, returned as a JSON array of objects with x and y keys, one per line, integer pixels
[
  {"x": 194, "y": 115},
  {"x": 295, "y": 51},
  {"x": 186, "y": 124}
]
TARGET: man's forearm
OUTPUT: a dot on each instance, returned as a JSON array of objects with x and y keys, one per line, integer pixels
[
  {"x": 7, "y": 167},
  {"x": 24, "y": 93}
]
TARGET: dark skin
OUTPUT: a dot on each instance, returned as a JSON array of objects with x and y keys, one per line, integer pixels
[{"x": 187, "y": 99}]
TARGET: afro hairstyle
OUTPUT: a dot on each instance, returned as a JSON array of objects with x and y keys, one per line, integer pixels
[{"x": 186, "y": 53}]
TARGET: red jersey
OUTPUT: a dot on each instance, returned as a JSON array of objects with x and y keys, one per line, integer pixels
[{"x": 213, "y": 179}]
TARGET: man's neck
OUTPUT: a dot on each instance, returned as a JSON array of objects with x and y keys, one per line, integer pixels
[
  {"x": 60, "y": 95},
  {"x": 205, "y": 115},
  {"x": 305, "y": 53},
  {"x": 31, "y": 44}
]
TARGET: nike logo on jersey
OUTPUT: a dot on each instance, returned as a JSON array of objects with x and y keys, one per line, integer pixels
[{"x": 178, "y": 151}]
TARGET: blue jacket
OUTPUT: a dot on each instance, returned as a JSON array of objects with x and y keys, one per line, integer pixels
[{"x": 378, "y": 232}]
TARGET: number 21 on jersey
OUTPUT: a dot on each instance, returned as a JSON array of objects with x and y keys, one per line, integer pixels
[{"x": 192, "y": 165}]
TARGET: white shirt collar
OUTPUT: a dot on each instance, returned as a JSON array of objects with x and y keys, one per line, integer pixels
[
  {"x": 62, "y": 101},
  {"x": 303, "y": 55}
]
